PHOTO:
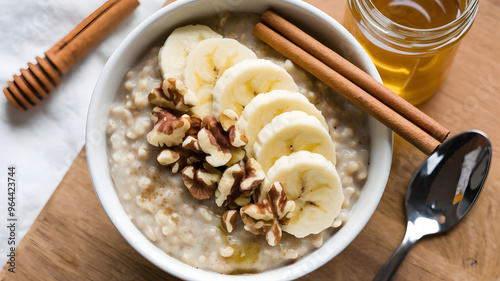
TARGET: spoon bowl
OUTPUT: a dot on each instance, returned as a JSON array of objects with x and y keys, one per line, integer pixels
[{"x": 442, "y": 191}]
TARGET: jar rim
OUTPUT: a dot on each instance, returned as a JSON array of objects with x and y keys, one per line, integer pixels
[
  {"x": 469, "y": 11},
  {"x": 401, "y": 35}
]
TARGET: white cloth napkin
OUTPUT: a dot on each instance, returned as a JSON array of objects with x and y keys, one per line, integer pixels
[{"x": 43, "y": 142}]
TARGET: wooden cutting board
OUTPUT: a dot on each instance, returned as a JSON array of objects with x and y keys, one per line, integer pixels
[{"x": 73, "y": 239}]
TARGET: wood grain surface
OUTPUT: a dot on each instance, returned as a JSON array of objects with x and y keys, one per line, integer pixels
[{"x": 73, "y": 239}]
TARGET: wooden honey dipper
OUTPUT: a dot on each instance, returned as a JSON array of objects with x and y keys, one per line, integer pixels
[{"x": 38, "y": 80}]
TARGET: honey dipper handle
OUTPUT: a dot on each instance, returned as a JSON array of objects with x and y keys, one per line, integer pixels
[{"x": 88, "y": 33}]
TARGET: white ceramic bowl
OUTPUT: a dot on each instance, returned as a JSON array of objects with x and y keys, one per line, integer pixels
[{"x": 158, "y": 26}]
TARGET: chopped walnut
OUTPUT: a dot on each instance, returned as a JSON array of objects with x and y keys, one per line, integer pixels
[
  {"x": 191, "y": 143},
  {"x": 229, "y": 220},
  {"x": 168, "y": 129},
  {"x": 173, "y": 94},
  {"x": 228, "y": 188},
  {"x": 244, "y": 199},
  {"x": 258, "y": 217},
  {"x": 195, "y": 127},
  {"x": 214, "y": 141},
  {"x": 282, "y": 207},
  {"x": 186, "y": 153},
  {"x": 266, "y": 216},
  {"x": 236, "y": 137},
  {"x": 254, "y": 175},
  {"x": 238, "y": 183},
  {"x": 274, "y": 234},
  {"x": 228, "y": 119},
  {"x": 200, "y": 182},
  {"x": 168, "y": 157},
  {"x": 237, "y": 155},
  {"x": 211, "y": 124},
  {"x": 217, "y": 155},
  {"x": 178, "y": 157},
  {"x": 196, "y": 146}
]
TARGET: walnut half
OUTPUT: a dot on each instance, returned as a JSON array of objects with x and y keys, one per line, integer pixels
[
  {"x": 228, "y": 189},
  {"x": 200, "y": 182},
  {"x": 238, "y": 183},
  {"x": 168, "y": 129},
  {"x": 173, "y": 94},
  {"x": 214, "y": 142},
  {"x": 229, "y": 121},
  {"x": 266, "y": 216},
  {"x": 229, "y": 220},
  {"x": 178, "y": 157}
]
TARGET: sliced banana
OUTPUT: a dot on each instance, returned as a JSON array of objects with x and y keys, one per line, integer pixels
[
  {"x": 206, "y": 63},
  {"x": 172, "y": 56},
  {"x": 313, "y": 183},
  {"x": 289, "y": 132},
  {"x": 242, "y": 82},
  {"x": 264, "y": 107}
]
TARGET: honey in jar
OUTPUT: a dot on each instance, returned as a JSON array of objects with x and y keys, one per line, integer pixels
[{"x": 411, "y": 42}]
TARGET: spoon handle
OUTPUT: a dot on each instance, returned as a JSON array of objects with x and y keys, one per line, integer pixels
[{"x": 392, "y": 265}]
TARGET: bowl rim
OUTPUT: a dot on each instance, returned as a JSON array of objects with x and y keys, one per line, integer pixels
[{"x": 331, "y": 248}]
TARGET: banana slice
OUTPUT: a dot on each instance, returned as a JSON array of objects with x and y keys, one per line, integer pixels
[
  {"x": 289, "y": 132},
  {"x": 206, "y": 63},
  {"x": 173, "y": 54},
  {"x": 264, "y": 107},
  {"x": 242, "y": 82},
  {"x": 313, "y": 183}
]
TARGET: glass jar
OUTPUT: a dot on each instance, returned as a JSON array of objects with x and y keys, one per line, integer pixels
[{"x": 412, "y": 54}]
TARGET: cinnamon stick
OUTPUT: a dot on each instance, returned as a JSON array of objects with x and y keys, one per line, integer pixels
[
  {"x": 386, "y": 115},
  {"x": 354, "y": 74}
]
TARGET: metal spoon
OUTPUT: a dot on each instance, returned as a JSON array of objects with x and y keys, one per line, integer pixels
[{"x": 442, "y": 191}]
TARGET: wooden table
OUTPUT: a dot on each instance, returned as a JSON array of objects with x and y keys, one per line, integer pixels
[{"x": 73, "y": 239}]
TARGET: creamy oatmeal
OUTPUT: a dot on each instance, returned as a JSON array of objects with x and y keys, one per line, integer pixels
[{"x": 191, "y": 230}]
